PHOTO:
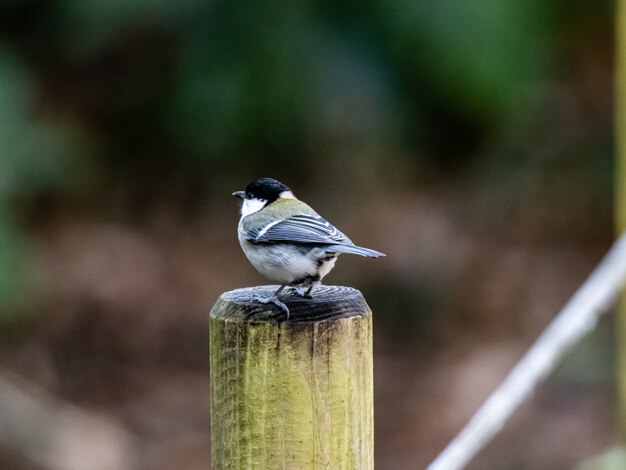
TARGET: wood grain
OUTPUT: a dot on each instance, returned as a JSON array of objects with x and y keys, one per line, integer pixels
[{"x": 294, "y": 394}]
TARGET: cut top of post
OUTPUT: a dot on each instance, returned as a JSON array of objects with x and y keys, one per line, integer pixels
[{"x": 328, "y": 303}]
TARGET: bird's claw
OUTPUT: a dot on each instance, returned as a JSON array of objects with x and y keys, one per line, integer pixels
[
  {"x": 272, "y": 300},
  {"x": 301, "y": 292}
]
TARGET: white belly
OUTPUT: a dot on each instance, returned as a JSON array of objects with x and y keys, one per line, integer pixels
[{"x": 287, "y": 263}]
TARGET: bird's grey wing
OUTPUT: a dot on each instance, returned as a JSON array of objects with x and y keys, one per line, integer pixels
[{"x": 299, "y": 229}]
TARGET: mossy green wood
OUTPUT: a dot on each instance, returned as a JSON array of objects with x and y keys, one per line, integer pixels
[
  {"x": 294, "y": 394},
  {"x": 620, "y": 190}
]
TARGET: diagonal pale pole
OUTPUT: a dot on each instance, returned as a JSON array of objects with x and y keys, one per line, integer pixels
[
  {"x": 575, "y": 320},
  {"x": 620, "y": 190}
]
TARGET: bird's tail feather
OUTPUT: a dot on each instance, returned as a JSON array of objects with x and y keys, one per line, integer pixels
[{"x": 355, "y": 250}]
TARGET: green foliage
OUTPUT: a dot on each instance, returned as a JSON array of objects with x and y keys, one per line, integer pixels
[
  {"x": 246, "y": 81},
  {"x": 142, "y": 89},
  {"x": 12, "y": 281},
  {"x": 481, "y": 54},
  {"x": 35, "y": 155},
  {"x": 250, "y": 76}
]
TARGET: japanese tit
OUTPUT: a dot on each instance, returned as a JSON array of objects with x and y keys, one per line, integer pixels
[{"x": 287, "y": 241}]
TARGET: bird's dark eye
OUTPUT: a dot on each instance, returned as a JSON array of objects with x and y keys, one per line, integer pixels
[{"x": 249, "y": 195}]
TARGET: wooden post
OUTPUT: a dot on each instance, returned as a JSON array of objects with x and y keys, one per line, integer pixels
[{"x": 294, "y": 394}]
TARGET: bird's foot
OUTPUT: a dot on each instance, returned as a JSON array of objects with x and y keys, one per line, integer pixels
[
  {"x": 301, "y": 292},
  {"x": 272, "y": 300}
]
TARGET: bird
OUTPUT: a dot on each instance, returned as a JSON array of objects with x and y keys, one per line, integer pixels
[{"x": 287, "y": 241}]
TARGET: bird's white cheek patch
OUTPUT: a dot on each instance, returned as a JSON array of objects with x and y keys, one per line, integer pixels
[{"x": 250, "y": 206}]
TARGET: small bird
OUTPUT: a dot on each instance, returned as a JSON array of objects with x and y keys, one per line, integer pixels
[{"x": 287, "y": 241}]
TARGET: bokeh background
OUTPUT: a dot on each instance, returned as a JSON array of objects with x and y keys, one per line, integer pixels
[{"x": 470, "y": 141}]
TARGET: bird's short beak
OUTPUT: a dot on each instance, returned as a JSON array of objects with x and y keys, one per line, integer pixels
[{"x": 239, "y": 194}]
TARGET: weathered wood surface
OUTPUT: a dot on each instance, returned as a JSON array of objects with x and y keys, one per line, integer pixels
[{"x": 294, "y": 394}]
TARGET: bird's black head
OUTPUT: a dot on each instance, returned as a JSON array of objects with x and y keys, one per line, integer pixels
[{"x": 267, "y": 189}]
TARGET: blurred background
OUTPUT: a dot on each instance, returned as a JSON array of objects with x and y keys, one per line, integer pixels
[{"x": 470, "y": 141}]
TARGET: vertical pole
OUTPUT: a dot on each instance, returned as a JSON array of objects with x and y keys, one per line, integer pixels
[
  {"x": 295, "y": 394},
  {"x": 620, "y": 190}
]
